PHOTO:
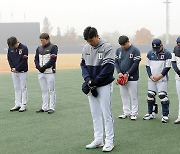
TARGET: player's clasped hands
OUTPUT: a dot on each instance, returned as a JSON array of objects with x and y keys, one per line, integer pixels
[
  {"x": 14, "y": 70},
  {"x": 156, "y": 78}
]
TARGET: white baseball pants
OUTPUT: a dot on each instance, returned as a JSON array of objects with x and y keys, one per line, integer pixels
[
  {"x": 20, "y": 88},
  {"x": 47, "y": 84},
  {"x": 158, "y": 86},
  {"x": 129, "y": 96},
  {"x": 178, "y": 93},
  {"x": 100, "y": 107}
]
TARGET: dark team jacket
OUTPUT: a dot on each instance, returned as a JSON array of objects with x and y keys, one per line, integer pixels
[
  {"x": 127, "y": 61},
  {"x": 46, "y": 56},
  {"x": 18, "y": 58},
  {"x": 176, "y": 61},
  {"x": 98, "y": 63}
]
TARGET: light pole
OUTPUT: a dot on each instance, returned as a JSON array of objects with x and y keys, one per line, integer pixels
[{"x": 167, "y": 2}]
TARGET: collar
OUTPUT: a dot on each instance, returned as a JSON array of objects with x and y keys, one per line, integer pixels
[{"x": 100, "y": 43}]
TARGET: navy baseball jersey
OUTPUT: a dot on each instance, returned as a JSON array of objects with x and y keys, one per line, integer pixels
[
  {"x": 158, "y": 63},
  {"x": 127, "y": 61},
  {"x": 176, "y": 61},
  {"x": 18, "y": 58}
]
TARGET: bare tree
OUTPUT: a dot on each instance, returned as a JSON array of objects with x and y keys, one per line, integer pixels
[
  {"x": 57, "y": 38},
  {"x": 70, "y": 36},
  {"x": 112, "y": 38},
  {"x": 47, "y": 28},
  {"x": 143, "y": 36}
]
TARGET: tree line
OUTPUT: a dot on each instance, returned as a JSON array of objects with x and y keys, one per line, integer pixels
[{"x": 141, "y": 37}]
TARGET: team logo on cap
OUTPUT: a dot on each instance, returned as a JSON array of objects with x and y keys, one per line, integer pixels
[{"x": 154, "y": 46}]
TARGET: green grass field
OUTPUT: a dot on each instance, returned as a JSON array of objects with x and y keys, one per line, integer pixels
[{"x": 69, "y": 129}]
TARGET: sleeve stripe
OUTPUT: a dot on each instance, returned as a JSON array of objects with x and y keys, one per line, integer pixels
[
  {"x": 108, "y": 59},
  {"x": 112, "y": 61},
  {"x": 116, "y": 57},
  {"x": 137, "y": 58},
  {"x": 53, "y": 56},
  {"x": 25, "y": 57}
]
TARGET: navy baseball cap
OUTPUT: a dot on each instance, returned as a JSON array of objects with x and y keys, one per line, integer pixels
[
  {"x": 156, "y": 44},
  {"x": 178, "y": 40}
]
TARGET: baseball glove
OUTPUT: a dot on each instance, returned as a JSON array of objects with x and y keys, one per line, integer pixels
[
  {"x": 123, "y": 80},
  {"x": 86, "y": 89}
]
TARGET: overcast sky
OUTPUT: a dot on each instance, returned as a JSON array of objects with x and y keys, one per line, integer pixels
[{"x": 125, "y": 16}]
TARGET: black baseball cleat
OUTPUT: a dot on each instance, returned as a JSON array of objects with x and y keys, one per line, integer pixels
[
  {"x": 50, "y": 111},
  {"x": 15, "y": 108},
  {"x": 41, "y": 110}
]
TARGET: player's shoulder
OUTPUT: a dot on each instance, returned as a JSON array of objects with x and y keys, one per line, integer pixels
[
  {"x": 105, "y": 46},
  {"x": 22, "y": 46},
  {"x": 118, "y": 50},
  {"x": 54, "y": 46},
  {"x": 150, "y": 53},
  {"x": 167, "y": 53},
  {"x": 134, "y": 48},
  {"x": 86, "y": 48},
  {"x": 176, "y": 49}
]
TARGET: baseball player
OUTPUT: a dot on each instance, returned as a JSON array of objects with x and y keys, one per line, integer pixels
[
  {"x": 127, "y": 65},
  {"x": 158, "y": 63},
  {"x": 45, "y": 61},
  {"x": 97, "y": 70},
  {"x": 18, "y": 61},
  {"x": 176, "y": 67}
]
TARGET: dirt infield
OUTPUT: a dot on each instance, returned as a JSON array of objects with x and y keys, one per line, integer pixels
[{"x": 64, "y": 61}]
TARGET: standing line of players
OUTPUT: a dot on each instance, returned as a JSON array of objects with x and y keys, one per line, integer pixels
[
  {"x": 97, "y": 71},
  {"x": 98, "y": 64}
]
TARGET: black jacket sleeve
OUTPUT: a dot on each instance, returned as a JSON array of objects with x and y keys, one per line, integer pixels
[
  {"x": 9, "y": 59},
  {"x": 36, "y": 59},
  {"x": 176, "y": 69},
  {"x": 85, "y": 72},
  {"x": 107, "y": 70},
  {"x": 148, "y": 69},
  {"x": 133, "y": 68}
]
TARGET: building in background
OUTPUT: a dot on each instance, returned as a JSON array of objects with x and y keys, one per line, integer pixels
[{"x": 26, "y": 32}]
